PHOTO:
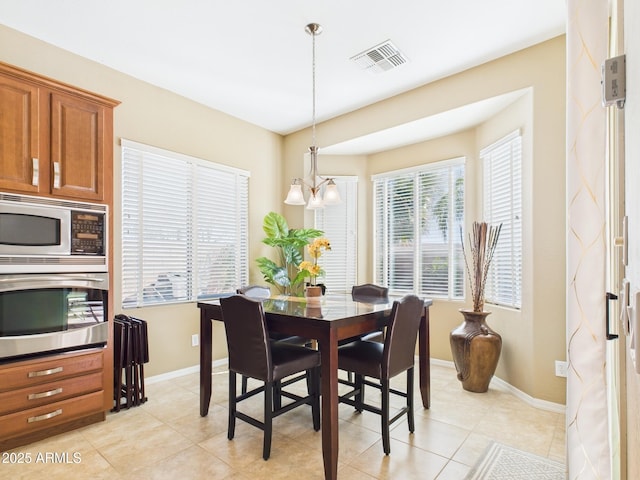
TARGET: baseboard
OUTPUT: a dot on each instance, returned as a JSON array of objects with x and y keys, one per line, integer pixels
[
  {"x": 534, "y": 402},
  {"x": 498, "y": 382},
  {"x": 182, "y": 372}
]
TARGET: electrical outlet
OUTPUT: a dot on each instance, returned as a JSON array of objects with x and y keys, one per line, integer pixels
[
  {"x": 561, "y": 368},
  {"x": 194, "y": 340}
]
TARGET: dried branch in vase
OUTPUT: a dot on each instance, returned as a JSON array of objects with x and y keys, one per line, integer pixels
[{"x": 482, "y": 242}]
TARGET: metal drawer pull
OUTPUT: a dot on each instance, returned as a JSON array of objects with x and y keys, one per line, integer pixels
[
  {"x": 46, "y": 416},
  {"x": 50, "y": 393},
  {"x": 43, "y": 373}
]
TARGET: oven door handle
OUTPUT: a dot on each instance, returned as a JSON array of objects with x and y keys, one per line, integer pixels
[
  {"x": 50, "y": 279},
  {"x": 29, "y": 282}
]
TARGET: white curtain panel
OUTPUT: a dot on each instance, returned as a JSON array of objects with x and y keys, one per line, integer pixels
[{"x": 587, "y": 428}]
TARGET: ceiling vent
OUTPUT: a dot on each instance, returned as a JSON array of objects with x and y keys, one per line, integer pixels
[{"x": 380, "y": 58}]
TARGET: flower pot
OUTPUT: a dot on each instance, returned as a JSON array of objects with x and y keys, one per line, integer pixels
[
  {"x": 476, "y": 350},
  {"x": 313, "y": 293}
]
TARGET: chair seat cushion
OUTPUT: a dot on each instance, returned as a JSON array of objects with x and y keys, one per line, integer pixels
[
  {"x": 377, "y": 336},
  {"x": 289, "y": 359},
  {"x": 361, "y": 357},
  {"x": 292, "y": 340}
]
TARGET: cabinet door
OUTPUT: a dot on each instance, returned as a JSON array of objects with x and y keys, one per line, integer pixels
[
  {"x": 20, "y": 166},
  {"x": 77, "y": 147}
]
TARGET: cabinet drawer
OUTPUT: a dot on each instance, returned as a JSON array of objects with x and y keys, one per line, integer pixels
[
  {"x": 38, "y": 372},
  {"x": 34, "y": 396},
  {"x": 50, "y": 415}
]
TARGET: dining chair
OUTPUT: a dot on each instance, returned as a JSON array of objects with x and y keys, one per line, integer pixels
[
  {"x": 261, "y": 292},
  {"x": 383, "y": 361},
  {"x": 254, "y": 355},
  {"x": 370, "y": 291}
]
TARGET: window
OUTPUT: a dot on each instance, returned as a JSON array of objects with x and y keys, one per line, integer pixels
[
  {"x": 418, "y": 214},
  {"x": 503, "y": 204},
  {"x": 339, "y": 223},
  {"x": 184, "y": 227}
]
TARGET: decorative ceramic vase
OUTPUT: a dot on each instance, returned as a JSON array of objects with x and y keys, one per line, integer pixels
[
  {"x": 313, "y": 293},
  {"x": 476, "y": 350}
]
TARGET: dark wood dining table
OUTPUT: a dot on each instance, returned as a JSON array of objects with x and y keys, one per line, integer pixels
[{"x": 336, "y": 317}]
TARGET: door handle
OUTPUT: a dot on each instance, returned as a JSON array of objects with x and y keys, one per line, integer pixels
[{"x": 610, "y": 296}]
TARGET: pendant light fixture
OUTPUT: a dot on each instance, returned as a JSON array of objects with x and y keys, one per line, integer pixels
[{"x": 314, "y": 181}]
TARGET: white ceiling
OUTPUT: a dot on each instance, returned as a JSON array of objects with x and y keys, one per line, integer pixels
[{"x": 252, "y": 58}]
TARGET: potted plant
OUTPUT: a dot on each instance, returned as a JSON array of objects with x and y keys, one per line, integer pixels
[
  {"x": 284, "y": 273},
  {"x": 474, "y": 345},
  {"x": 312, "y": 269}
]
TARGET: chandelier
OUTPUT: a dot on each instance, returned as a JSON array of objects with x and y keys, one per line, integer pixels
[{"x": 314, "y": 181}]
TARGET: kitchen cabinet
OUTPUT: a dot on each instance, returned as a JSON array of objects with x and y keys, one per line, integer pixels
[
  {"x": 55, "y": 139},
  {"x": 49, "y": 395}
]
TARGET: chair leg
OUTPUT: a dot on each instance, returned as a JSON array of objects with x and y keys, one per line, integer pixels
[
  {"x": 245, "y": 381},
  {"x": 314, "y": 378},
  {"x": 385, "y": 417},
  {"x": 268, "y": 419},
  {"x": 359, "y": 397},
  {"x": 277, "y": 395},
  {"x": 309, "y": 380},
  {"x": 232, "y": 405},
  {"x": 410, "y": 417}
]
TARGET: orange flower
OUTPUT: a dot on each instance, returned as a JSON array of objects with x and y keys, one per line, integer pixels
[{"x": 315, "y": 250}]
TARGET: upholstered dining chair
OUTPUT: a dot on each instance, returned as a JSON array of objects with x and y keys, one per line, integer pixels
[
  {"x": 261, "y": 292},
  {"x": 383, "y": 361},
  {"x": 254, "y": 355},
  {"x": 369, "y": 291}
]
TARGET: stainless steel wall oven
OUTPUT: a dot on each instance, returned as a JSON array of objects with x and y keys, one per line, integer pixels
[
  {"x": 54, "y": 283},
  {"x": 46, "y": 313}
]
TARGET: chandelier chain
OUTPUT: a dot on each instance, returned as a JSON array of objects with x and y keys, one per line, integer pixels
[{"x": 313, "y": 88}]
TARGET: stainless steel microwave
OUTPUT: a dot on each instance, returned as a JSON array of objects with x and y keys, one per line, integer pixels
[{"x": 42, "y": 235}]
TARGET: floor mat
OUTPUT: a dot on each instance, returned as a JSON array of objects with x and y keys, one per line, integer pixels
[{"x": 501, "y": 462}]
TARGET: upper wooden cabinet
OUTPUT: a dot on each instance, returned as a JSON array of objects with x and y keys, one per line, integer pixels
[
  {"x": 55, "y": 140},
  {"x": 19, "y": 135}
]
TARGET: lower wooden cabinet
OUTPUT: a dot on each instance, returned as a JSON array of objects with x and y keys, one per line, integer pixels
[
  {"x": 26, "y": 421},
  {"x": 41, "y": 397}
]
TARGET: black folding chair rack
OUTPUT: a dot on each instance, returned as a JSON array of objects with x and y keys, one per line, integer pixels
[{"x": 130, "y": 353}]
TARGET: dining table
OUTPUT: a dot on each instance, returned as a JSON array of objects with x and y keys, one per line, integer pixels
[{"x": 329, "y": 320}]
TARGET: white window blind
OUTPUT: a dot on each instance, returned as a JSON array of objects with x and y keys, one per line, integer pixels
[
  {"x": 339, "y": 223},
  {"x": 184, "y": 227},
  {"x": 418, "y": 214},
  {"x": 502, "y": 165}
]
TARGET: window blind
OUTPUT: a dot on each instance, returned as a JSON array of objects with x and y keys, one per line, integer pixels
[
  {"x": 418, "y": 214},
  {"x": 184, "y": 227},
  {"x": 339, "y": 223},
  {"x": 502, "y": 172}
]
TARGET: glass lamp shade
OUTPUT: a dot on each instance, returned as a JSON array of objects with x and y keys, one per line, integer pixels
[
  {"x": 331, "y": 194},
  {"x": 295, "y": 196},
  {"x": 315, "y": 201}
]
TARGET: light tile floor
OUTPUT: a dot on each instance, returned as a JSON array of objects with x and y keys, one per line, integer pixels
[{"x": 166, "y": 438}]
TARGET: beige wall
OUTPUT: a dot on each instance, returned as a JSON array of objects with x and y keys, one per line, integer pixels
[
  {"x": 154, "y": 116},
  {"x": 157, "y": 117},
  {"x": 535, "y": 337}
]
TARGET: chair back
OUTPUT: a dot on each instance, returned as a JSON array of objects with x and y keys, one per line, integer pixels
[
  {"x": 369, "y": 290},
  {"x": 247, "y": 337},
  {"x": 402, "y": 332},
  {"x": 255, "y": 291}
]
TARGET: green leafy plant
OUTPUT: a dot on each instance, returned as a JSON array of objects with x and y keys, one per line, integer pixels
[{"x": 283, "y": 273}]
